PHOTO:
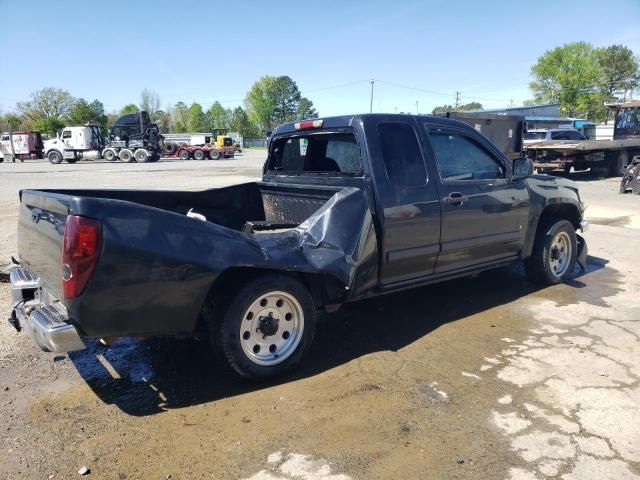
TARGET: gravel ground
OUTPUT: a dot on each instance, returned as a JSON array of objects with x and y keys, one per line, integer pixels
[{"x": 486, "y": 377}]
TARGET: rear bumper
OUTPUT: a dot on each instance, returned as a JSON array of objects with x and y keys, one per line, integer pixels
[{"x": 44, "y": 318}]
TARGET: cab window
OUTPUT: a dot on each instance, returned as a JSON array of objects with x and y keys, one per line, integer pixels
[
  {"x": 460, "y": 158},
  {"x": 336, "y": 153},
  {"x": 66, "y": 134}
]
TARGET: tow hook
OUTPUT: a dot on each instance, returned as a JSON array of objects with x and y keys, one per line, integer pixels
[{"x": 13, "y": 320}]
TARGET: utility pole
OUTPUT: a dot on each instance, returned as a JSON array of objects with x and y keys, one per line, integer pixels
[
  {"x": 417, "y": 110},
  {"x": 396, "y": 109},
  {"x": 371, "y": 104},
  {"x": 457, "y": 100},
  {"x": 511, "y": 103}
]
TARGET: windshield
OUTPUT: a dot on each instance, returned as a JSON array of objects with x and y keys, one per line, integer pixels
[
  {"x": 316, "y": 153},
  {"x": 535, "y": 135},
  {"x": 627, "y": 118}
]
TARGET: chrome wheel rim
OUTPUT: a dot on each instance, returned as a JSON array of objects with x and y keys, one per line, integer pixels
[
  {"x": 560, "y": 254},
  {"x": 271, "y": 328}
]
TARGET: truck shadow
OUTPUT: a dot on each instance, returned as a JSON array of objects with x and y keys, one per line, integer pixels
[{"x": 151, "y": 376}]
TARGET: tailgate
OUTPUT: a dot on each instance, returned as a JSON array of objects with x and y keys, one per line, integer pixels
[{"x": 41, "y": 224}]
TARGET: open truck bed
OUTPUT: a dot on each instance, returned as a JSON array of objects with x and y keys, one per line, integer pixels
[{"x": 157, "y": 264}]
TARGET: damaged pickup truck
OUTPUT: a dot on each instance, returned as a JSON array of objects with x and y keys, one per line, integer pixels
[{"x": 348, "y": 208}]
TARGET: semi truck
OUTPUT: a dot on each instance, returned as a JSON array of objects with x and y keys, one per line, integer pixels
[
  {"x": 133, "y": 138},
  {"x": 611, "y": 156},
  {"x": 21, "y": 145}
]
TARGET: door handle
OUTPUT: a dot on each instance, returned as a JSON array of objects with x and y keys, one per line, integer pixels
[{"x": 456, "y": 199}]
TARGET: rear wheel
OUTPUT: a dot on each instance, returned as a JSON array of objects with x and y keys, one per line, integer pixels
[
  {"x": 184, "y": 154},
  {"x": 109, "y": 155},
  {"x": 266, "y": 327},
  {"x": 126, "y": 155},
  {"x": 214, "y": 154},
  {"x": 54, "y": 157},
  {"x": 553, "y": 259},
  {"x": 142, "y": 156},
  {"x": 198, "y": 155}
]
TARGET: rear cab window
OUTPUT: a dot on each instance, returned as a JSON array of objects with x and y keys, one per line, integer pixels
[{"x": 328, "y": 153}]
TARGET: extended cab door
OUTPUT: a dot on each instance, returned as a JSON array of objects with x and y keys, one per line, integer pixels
[
  {"x": 484, "y": 212},
  {"x": 406, "y": 199}
]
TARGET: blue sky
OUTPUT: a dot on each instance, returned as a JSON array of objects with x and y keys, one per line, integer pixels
[{"x": 209, "y": 50}]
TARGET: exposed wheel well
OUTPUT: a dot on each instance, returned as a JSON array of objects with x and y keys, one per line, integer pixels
[
  {"x": 324, "y": 289},
  {"x": 564, "y": 211}
]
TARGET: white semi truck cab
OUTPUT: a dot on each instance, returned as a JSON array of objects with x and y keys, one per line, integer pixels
[{"x": 75, "y": 143}]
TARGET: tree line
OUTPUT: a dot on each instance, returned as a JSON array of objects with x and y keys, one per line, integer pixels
[{"x": 270, "y": 101}]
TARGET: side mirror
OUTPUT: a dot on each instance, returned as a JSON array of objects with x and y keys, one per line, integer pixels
[{"x": 522, "y": 168}]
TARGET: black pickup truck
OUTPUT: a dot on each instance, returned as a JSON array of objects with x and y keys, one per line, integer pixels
[{"x": 348, "y": 208}]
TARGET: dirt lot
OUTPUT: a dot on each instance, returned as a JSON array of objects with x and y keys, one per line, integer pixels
[{"x": 480, "y": 378}]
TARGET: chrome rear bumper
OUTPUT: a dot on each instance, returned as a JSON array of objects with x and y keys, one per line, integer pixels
[{"x": 44, "y": 318}]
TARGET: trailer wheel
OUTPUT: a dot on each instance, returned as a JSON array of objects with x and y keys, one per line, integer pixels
[
  {"x": 109, "y": 155},
  {"x": 214, "y": 154},
  {"x": 54, "y": 157},
  {"x": 198, "y": 154},
  {"x": 126, "y": 155},
  {"x": 266, "y": 327},
  {"x": 141, "y": 155},
  {"x": 184, "y": 154}
]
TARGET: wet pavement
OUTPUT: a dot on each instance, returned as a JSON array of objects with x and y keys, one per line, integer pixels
[{"x": 484, "y": 377}]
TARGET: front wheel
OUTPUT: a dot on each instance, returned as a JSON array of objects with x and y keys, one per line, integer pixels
[
  {"x": 54, "y": 157},
  {"x": 553, "y": 259},
  {"x": 266, "y": 327}
]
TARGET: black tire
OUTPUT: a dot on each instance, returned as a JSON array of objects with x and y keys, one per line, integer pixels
[
  {"x": 214, "y": 154},
  {"x": 109, "y": 155},
  {"x": 154, "y": 158},
  {"x": 184, "y": 154},
  {"x": 225, "y": 330},
  {"x": 198, "y": 155},
  {"x": 126, "y": 155},
  {"x": 71, "y": 160},
  {"x": 54, "y": 157},
  {"x": 540, "y": 265},
  {"x": 618, "y": 162},
  {"x": 142, "y": 156},
  {"x": 170, "y": 148}
]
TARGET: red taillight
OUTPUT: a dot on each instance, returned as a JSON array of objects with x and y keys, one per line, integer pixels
[
  {"x": 80, "y": 250},
  {"x": 308, "y": 124}
]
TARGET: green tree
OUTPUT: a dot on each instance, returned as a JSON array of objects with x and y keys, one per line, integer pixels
[
  {"x": 467, "y": 107},
  {"x": 48, "y": 104},
  {"x": 217, "y": 116},
  {"x": 163, "y": 119},
  {"x": 197, "y": 118},
  {"x": 241, "y": 123},
  {"x": 570, "y": 75},
  {"x": 11, "y": 122},
  {"x": 49, "y": 125},
  {"x": 83, "y": 112},
  {"x": 620, "y": 71},
  {"x": 275, "y": 100},
  {"x": 305, "y": 109},
  {"x": 180, "y": 116},
  {"x": 129, "y": 108}
]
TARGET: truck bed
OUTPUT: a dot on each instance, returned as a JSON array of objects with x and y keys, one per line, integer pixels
[{"x": 157, "y": 264}]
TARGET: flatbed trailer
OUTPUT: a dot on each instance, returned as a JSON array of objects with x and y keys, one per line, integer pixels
[{"x": 612, "y": 156}]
